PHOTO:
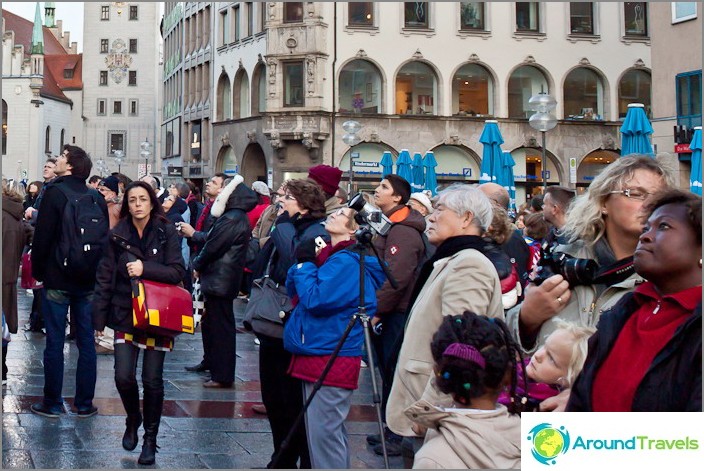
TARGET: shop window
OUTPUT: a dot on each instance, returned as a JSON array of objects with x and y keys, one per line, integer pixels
[
  {"x": 581, "y": 17},
  {"x": 472, "y": 16},
  {"x": 636, "y": 18},
  {"x": 416, "y": 90},
  {"x": 360, "y": 14},
  {"x": 524, "y": 82},
  {"x": 360, "y": 88},
  {"x": 583, "y": 95},
  {"x": 415, "y": 15},
  {"x": 528, "y": 17},
  {"x": 472, "y": 91},
  {"x": 635, "y": 87},
  {"x": 293, "y": 84}
]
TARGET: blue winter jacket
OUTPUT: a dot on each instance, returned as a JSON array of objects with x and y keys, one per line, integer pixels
[{"x": 328, "y": 296}]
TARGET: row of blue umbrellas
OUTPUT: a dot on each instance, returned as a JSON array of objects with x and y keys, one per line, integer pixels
[{"x": 419, "y": 171}]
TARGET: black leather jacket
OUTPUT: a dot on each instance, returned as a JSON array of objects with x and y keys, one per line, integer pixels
[
  {"x": 221, "y": 260},
  {"x": 160, "y": 252}
]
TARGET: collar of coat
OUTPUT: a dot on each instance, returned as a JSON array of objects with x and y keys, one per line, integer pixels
[{"x": 221, "y": 201}]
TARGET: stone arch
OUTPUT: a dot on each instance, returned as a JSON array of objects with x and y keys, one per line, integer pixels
[{"x": 254, "y": 166}]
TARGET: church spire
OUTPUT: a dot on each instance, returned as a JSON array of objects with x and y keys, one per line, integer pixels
[
  {"x": 37, "y": 33},
  {"x": 49, "y": 14}
]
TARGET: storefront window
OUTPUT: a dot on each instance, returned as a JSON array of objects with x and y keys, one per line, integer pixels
[
  {"x": 593, "y": 164},
  {"x": 228, "y": 161},
  {"x": 360, "y": 88},
  {"x": 583, "y": 95},
  {"x": 524, "y": 82},
  {"x": 634, "y": 87},
  {"x": 361, "y": 13},
  {"x": 415, "y": 14},
  {"x": 472, "y": 16},
  {"x": 293, "y": 84},
  {"x": 472, "y": 91},
  {"x": 581, "y": 17},
  {"x": 416, "y": 89},
  {"x": 636, "y": 18},
  {"x": 224, "y": 110}
]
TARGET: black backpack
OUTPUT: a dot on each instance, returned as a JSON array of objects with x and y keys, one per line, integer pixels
[{"x": 84, "y": 234}]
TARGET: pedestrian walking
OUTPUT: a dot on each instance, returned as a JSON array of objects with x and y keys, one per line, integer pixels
[
  {"x": 69, "y": 238},
  {"x": 144, "y": 234}
]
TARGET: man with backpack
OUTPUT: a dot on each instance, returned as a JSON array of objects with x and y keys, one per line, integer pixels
[
  {"x": 403, "y": 249},
  {"x": 69, "y": 239}
]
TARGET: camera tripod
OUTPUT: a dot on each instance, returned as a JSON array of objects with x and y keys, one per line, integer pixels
[{"x": 364, "y": 237}]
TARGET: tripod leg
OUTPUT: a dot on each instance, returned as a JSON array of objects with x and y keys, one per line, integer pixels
[{"x": 375, "y": 389}]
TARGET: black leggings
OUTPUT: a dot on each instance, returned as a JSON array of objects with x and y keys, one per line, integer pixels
[{"x": 126, "y": 356}]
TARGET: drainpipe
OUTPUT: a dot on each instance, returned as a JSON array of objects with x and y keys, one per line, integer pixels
[{"x": 334, "y": 81}]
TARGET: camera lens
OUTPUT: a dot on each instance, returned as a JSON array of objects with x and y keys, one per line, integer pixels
[{"x": 578, "y": 271}]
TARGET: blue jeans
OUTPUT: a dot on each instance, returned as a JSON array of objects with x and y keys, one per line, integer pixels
[{"x": 55, "y": 307}]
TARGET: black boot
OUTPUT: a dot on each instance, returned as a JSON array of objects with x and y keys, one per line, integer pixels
[
  {"x": 130, "y": 438},
  {"x": 153, "y": 402}
]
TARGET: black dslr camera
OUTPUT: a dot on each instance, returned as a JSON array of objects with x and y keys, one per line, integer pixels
[{"x": 577, "y": 271}]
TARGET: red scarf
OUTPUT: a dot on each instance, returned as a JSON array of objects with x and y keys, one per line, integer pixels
[{"x": 204, "y": 215}]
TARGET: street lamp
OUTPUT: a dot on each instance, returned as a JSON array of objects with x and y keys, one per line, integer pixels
[
  {"x": 118, "y": 158},
  {"x": 543, "y": 120},
  {"x": 351, "y": 139},
  {"x": 145, "y": 153}
]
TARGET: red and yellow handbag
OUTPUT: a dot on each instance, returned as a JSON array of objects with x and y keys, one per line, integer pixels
[{"x": 161, "y": 309}]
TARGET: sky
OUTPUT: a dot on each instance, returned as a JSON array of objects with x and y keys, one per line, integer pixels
[{"x": 71, "y": 14}]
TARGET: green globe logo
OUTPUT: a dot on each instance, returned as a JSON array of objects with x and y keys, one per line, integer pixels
[{"x": 548, "y": 442}]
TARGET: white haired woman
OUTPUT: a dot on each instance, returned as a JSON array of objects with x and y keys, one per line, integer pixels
[
  {"x": 603, "y": 225},
  {"x": 458, "y": 278}
]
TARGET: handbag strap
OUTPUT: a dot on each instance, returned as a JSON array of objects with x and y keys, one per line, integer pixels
[{"x": 268, "y": 265}]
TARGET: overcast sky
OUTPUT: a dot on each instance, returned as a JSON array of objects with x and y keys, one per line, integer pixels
[{"x": 71, "y": 13}]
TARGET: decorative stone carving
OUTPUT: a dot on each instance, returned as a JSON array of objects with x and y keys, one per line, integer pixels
[
  {"x": 251, "y": 136},
  {"x": 308, "y": 140},
  {"x": 241, "y": 65},
  {"x": 118, "y": 60},
  {"x": 417, "y": 55},
  {"x": 310, "y": 74},
  {"x": 291, "y": 42},
  {"x": 639, "y": 63},
  {"x": 608, "y": 143},
  {"x": 225, "y": 139},
  {"x": 529, "y": 60},
  {"x": 260, "y": 59},
  {"x": 453, "y": 140},
  {"x": 374, "y": 137},
  {"x": 272, "y": 10},
  {"x": 275, "y": 139},
  {"x": 271, "y": 69},
  {"x": 361, "y": 54},
  {"x": 473, "y": 58},
  {"x": 530, "y": 141},
  {"x": 584, "y": 61}
]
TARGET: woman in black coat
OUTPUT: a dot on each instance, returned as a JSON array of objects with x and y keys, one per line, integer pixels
[{"x": 144, "y": 234}]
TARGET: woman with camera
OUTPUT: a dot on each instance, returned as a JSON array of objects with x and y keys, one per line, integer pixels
[
  {"x": 302, "y": 218},
  {"x": 602, "y": 225},
  {"x": 143, "y": 244},
  {"x": 328, "y": 293},
  {"x": 646, "y": 355}
]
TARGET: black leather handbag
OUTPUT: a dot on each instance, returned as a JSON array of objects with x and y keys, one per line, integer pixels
[{"x": 268, "y": 306}]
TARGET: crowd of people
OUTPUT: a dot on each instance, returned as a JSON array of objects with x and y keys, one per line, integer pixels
[{"x": 587, "y": 302}]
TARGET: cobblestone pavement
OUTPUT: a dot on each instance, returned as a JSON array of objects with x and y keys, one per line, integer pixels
[{"x": 200, "y": 428}]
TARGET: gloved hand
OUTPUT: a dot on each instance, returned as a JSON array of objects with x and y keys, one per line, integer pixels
[{"x": 305, "y": 252}]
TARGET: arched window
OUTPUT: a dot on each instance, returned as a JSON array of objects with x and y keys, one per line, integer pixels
[
  {"x": 524, "y": 82},
  {"x": 224, "y": 110},
  {"x": 634, "y": 87},
  {"x": 472, "y": 91},
  {"x": 416, "y": 89},
  {"x": 258, "y": 90},
  {"x": 360, "y": 87},
  {"x": 61, "y": 140},
  {"x": 241, "y": 95},
  {"x": 4, "y": 127},
  {"x": 47, "y": 141},
  {"x": 583, "y": 94}
]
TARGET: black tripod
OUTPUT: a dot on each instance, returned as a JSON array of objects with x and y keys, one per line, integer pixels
[{"x": 364, "y": 238}]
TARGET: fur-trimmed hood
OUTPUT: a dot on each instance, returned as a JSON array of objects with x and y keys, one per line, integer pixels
[{"x": 235, "y": 195}]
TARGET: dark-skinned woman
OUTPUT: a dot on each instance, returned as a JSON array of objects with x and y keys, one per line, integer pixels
[{"x": 646, "y": 355}]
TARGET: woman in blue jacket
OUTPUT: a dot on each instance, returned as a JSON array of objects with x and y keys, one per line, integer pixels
[{"x": 325, "y": 284}]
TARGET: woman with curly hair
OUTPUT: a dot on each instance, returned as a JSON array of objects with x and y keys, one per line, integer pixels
[{"x": 475, "y": 359}]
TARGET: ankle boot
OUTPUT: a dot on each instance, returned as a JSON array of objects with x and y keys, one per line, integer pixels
[
  {"x": 130, "y": 438},
  {"x": 148, "y": 455},
  {"x": 153, "y": 402}
]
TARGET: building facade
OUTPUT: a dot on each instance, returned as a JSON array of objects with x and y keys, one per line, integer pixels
[
  {"x": 677, "y": 80},
  {"x": 425, "y": 76},
  {"x": 41, "y": 92},
  {"x": 121, "y": 91}
]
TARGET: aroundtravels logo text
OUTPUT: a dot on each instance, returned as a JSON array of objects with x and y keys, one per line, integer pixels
[{"x": 549, "y": 442}]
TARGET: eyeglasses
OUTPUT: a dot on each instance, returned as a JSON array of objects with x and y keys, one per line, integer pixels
[
  {"x": 632, "y": 193},
  {"x": 341, "y": 212},
  {"x": 289, "y": 197}
]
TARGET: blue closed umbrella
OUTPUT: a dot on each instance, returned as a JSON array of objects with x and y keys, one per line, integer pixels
[
  {"x": 431, "y": 179},
  {"x": 387, "y": 164},
  {"x": 695, "y": 176},
  {"x": 418, "y": 173},
  {"x": 403, "y": 165},
  {"x": 491, "y": 154},
  {"x": 635, "y": 131},
  {"x": 506, "y": 177}
]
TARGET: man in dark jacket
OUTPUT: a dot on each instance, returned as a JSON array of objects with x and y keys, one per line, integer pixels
[
  {"x": 402, "y": 249},
  {"x": 220, "y": 265},
  {"x": 63, "y": 289}
]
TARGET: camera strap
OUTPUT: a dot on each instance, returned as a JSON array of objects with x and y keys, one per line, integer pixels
[{"x": 615, "y": 273}]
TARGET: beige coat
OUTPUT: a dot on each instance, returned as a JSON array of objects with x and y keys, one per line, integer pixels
[
  {"x": 465, "y": 281},
  {"x": 585, "y": 306},
  {"x": 471, "y": 439}
]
